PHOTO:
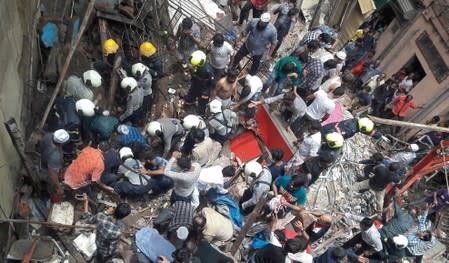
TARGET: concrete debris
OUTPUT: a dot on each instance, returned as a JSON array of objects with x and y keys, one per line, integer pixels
[{"x": 85, "y": 243}]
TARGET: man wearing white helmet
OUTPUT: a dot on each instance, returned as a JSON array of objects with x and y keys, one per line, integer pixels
[
  {"x": 169, "y": 130},
  {"x": 396, "y": 248},
  {"x": 260, "y": 178},
  {"x": 134, "y": 110},
  {"x": 81, "y": 88},
  {"x": 222, "y": 123},
  {"x": 144, "y": 79},
  {"x": 350, "y": 127},
  {"x": 190, "y": 123},
  {"x": 52, "y": 156}
]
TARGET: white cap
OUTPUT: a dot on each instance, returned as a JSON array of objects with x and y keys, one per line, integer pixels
[
  {"x": 86, "y": 107},
  {"x": 123, "y": 129},
  {"x": 414, "y": 147},
  {"x": 138, "y": 69},
  {"x": 129, "y": 82},
  {"x": 341, "y": 55},
  {"x": 400, "y": 241},
  {"x": 265, "y": 17},
  {"x": 182, "y": 233},
  {"x": 125, "y": 151},
  {"x": 215, "y": 106},
  {"x": 61, "y": 136},
  {"x": 253, "y": 167},
  {"x": 153, "y": 127},
  {"x": 191, "y": 121},
  {"x": 93, "y": 77},
  {"x": 254, "y": 82}
]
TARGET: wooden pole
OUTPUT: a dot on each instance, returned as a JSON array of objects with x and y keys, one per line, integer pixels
[
  {"x": 114, "y": 81},
  {"x": 49, "y": 224},
  {"x": 103, "y": 29},
  {"x": 407, "y": 124},
  {"x": 251, "y": 218},
  {"x": 83, "y": 26},
  {"x": 316, "y": 15},
  {"x": 27, "y": 257}
]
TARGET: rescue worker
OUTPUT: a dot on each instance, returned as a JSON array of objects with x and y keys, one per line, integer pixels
[
  {"x": 348, "y": 128},
  {"x": 144, "y": 79},
  {"x": 99, "y": 127},
  {"x": 134, "y": 111},
  {"x": 81, "y": 88},
  {"x": 129, "y": 135},
  {"x": 85, "y": 109},
  {"x": 221, "y": 123},
  {"x": 333, "y": 145},
  {"x": 110, "y": 48},
  {"x": 189, "y": 123},
  {"x": 152, "y": 59},
  {"x": 168, "y": 130},
  {"x": 260, "y": 178},
  {"x": 203, "y": 82}
]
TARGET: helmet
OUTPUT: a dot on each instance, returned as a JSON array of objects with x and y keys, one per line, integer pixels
[
  {"x": 110, "y": 46},
  {"x": 129, "y": 82},
  {"x": 334, "y": 140},
  {"x": 147, "y": 49},
  {"x": 400, "y": 241},
  {"x": 125, "y": 152},
  {"x": 414, "y": 147},
  {"x": 365, "y": 125},
  {"x": 215, "y": 106},
  {"x": 198, "y": 58},
  {"x": 138, "y": 69},
  {"x": 92, "y": 78},
  {"x": 86, "y": 107},
  {"x": 191, "y": 121},
  {"x": 153, "y": 128},
  {"x": 341, "y": 55},
  {"x": 254, "y": 82},
  {"x": 253, "y": 168}
]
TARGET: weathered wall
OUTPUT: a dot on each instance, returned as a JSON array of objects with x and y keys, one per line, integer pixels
[{"x": 15, "y": 25}]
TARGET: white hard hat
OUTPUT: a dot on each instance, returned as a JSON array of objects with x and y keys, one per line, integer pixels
[
  {"x": 215, "y": 106},
  {"x": 341, "y": 55},
  {"x": 129, "y": 82},
  {"x": 254, "y": 82},
  {"x": 334, "y": 140},
  {"x": 138, "y": 69},
  {"x": 400, "y": 241},
  {"x": 414, "y": 147},
  {"x": 198, "y": 58},
  {"x": 191, "y": 121},
  {"x": 86, "y": 107},
  {"x": 365, "y": 125},
  {"x": 253, "y": 168},
  {"x": 153, "y": 128},
  {"x": 125, "y": 152},
  {"x": 92, "y": 78}
]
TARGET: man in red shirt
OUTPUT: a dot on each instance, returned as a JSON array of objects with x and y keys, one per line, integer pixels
[
  {"x": 258, "y": 7},
  {"x": 401, "y": 105}
]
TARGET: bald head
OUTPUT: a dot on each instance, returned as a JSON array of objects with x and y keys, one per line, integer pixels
[{"x": 325, "y": 219}]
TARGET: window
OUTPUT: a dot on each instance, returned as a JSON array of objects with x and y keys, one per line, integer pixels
[
  {"x": 433, "y": 57},
  {"x": 414, "y": 66}
]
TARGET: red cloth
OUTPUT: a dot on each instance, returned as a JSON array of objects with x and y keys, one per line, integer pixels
[
  {"x": 259, "y": 4},
  {"x": 358, "y": 69},
  {"x": 401, "y": 106},
  {"x": 245, "y": 146}
]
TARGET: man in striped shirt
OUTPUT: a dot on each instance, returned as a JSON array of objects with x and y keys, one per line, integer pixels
[{"x": 421, "y": 241}]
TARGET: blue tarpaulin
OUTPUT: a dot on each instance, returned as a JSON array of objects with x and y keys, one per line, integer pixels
[
  {"x": 227, "y": 200},
  {"x": 153, "y": 245},
  {"x": 49, "y": 34}
]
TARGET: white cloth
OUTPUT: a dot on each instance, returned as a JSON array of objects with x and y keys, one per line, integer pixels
[
  {"x": 310, "y": 145},
  {"x": 336, "y": 80},
  {"x": 406, "y": 84},
  {"x": 302, "y": 257},
  {"x": 372, "y": 238},
  {"x": 211, "y": 176},
  {"x": 320, "y": 106},
  {"x": 219, "y": 56}
]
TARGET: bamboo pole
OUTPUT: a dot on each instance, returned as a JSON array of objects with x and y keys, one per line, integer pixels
[
  {"x": 49, "y": 224},
  {"x": 407, "y": 124},
  {"x": 83, "y": 26}
]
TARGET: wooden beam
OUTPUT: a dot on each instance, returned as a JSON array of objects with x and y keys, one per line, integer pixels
[
  {"x": 49, "y": 224},
  {"x": 249, "y": 222},
  {"x": 114, "y": 81},
  {"x": 103, "y": 29},
  {"x": 83, "y": 26},
  {"x": 407, "y": 124}
]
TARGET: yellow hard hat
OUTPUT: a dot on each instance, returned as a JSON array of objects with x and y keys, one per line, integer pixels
[
  {"x": 110, "y": 46},
  {"x": 198, "y": 58},
  {"x": 334, "y": 140},
  {"x": 365, "y": 125},
  {"x": 147, "y": 49}
]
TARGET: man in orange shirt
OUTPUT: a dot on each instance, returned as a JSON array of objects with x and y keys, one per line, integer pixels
[
  {"x": 400, "y": 107},
  {"x": 87, "y": 168}
]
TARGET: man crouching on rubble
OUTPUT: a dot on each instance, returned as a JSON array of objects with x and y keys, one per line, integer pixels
[{"x": 108, "y": 229}]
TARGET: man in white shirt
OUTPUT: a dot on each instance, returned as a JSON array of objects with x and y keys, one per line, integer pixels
[
  {"x": 219, "y": 52},
  {"x": 369, "y": 237},
  {"x": 407, "y": 83},
  {"x": 312, "y": 142},
  {"x": 319, "y": 110}
]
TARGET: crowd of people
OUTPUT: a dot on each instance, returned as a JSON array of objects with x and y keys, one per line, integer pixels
[{"x": 122, "y": 153}]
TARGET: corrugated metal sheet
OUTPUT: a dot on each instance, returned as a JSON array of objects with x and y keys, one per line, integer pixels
[{"x": 367, "y": 6}]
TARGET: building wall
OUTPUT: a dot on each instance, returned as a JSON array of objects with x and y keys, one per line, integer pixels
[
  {"x": 397, "y": 46},
  {"x": 16, "y": 18}
]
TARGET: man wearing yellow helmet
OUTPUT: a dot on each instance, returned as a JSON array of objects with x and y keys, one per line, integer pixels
[
  {"x": 348, "y": 128},
  {"x": 202, "y": 83},
  {"x": 152, "y": 59},
  {"x": 110, "y": 47}
]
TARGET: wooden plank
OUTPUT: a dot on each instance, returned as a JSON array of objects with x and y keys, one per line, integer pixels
[
  {"x": 73, "y": 47},
  {"x": 408, "y": 124},
  {"x": 103, "y": 29},
  {"x": 114, "y": 81}
]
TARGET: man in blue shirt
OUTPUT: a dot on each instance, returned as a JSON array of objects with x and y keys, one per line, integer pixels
[{"x": 283, "y": 24}]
